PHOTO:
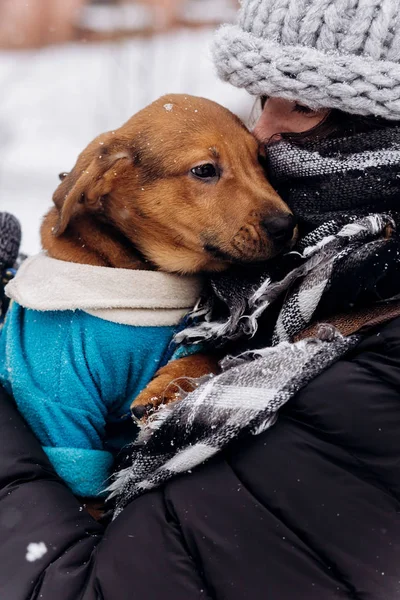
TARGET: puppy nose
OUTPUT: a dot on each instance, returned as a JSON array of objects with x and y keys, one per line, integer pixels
[{"x": 281, "y": 228}]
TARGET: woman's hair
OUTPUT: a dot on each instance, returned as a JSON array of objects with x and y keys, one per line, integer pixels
[{"x": 339, "y": 124}]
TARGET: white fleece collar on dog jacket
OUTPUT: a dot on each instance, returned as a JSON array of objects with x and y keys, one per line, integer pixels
[{"x": 129, "y": 297}]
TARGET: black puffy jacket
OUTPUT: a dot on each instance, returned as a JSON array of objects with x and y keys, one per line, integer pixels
[{"x": 308, "y": 510}]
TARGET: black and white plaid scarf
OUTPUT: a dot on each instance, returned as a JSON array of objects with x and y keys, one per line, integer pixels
[{"x": 349, "y": 256}]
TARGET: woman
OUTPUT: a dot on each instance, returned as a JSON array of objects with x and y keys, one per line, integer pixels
[{"x": 310, "y": 508}]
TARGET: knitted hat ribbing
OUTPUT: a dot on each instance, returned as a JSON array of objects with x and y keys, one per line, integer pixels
[{"x": 341, "y": 54}]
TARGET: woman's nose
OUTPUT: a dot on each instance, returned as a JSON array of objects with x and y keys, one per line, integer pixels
[{"x": 266, "y": 128}]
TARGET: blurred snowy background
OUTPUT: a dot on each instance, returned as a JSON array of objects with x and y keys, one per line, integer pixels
[{"x": 71, "y": 69}]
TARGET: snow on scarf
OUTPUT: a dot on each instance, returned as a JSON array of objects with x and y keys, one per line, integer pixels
[{"x": 345, "y": 261}]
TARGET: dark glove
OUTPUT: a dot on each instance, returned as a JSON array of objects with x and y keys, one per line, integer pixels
[{"x": 10, "y": 240}]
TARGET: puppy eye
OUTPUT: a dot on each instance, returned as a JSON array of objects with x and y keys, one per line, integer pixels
[{"x": 207, "y": 171}]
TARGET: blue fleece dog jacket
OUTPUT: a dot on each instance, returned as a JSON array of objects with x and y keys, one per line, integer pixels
[{"x": 74, "y": 371}]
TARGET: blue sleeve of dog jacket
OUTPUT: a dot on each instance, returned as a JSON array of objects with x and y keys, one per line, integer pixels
[
  {"x": 70, "y": 373},
  {"x": 94, "y": 467}
]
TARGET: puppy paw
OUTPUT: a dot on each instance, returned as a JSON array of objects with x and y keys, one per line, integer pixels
[
  {"x": 171, "y": 383},
  {"x": 160, "y": 391}
]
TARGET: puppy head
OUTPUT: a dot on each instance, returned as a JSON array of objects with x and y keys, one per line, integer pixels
[{"x": 181, "y": 180}]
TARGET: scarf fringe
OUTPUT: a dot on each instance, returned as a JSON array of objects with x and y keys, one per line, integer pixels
[{"x": 319, "y": 251}]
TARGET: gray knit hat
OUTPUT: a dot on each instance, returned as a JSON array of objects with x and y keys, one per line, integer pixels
[{"x": 323, "y": 53}]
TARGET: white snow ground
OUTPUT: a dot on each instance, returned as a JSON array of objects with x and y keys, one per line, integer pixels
[{"x": 55, "y": 100}]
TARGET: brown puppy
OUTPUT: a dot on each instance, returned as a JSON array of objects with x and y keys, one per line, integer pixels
[{"x": 178, "y": 188}]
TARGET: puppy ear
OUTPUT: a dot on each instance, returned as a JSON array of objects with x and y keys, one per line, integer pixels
[{"x": 83, "y": 189}]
